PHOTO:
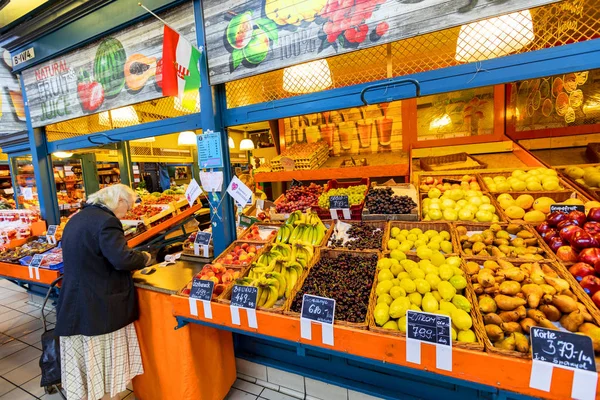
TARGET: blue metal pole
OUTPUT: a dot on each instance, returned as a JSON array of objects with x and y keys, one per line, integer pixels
[
  {"x": 42, "y": 168},
  {"x": 212, "y": 101}
]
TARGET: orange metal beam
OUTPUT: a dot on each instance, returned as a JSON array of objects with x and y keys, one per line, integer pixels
[
  {"x": 21, "y": 272},
  {"x": 507, "y": 373}
]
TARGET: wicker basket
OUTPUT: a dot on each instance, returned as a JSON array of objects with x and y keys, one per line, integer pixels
[
  {"x": 441, "y": 175},
  {"x": 593, "y": 193},
  {"x": 225, "y": 297},
  {"x": 383, "y": 225},
  {"x": 328, "y": 253},
  {"x": 427, "y": 163},
  {"x": 424, "y": 226},
  {"x": 260, "y": 247},
  {"x": 548, "y": 255},
  {"x": 477, "y": 320},
  {"x": 275, "y": 225},
  {"x": 501, "y": 215},
  {"x": 566, "y": 186},
  {"x": 558, "y": 196}
]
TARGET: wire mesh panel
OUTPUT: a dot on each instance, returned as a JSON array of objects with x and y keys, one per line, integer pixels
[
  {"x": 549, "y": 26},
  {"x": 141, "y": 113}
]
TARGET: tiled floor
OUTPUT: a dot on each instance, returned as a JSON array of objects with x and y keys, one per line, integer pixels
[{"x": 20, "y": 347}]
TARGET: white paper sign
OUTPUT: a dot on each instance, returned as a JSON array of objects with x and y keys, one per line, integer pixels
[
  {"x": 192, "y": 192},
  {"x": 239, "y": 191},
  {"x": 212, "y": 181},
  {"x": 28, "y": 193}
]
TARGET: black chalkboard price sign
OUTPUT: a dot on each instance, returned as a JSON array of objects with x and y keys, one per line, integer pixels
[
  {"x": 36, "y": 261},
  {"x": 52, "y": 230},
  {"x": 244, "y": 296},
  {"x": 564, "y": 349},
  {"x": 566, "y": 208},
  {"x": 202, "y": 289},
  {"x": 428, "y": 327},
  {"x": 338, "y": 202},
  {"x": 203, "y": 238},
  {"x": 318, "y": 309}
]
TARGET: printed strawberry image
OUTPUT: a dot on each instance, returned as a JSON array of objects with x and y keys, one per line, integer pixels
[{"x": 91, "y": 94}]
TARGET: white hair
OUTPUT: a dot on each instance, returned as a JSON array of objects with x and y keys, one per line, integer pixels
[{"x": 110, "y": 196}]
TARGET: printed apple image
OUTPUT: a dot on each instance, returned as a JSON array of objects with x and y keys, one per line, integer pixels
[{"x": 239, "y": 30}]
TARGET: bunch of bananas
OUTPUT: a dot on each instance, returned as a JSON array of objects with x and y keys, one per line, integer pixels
[
  {"x": 268, "y": 289},
  {"x": 293, "y": 12},
  {"x": 306, "y": 227}
]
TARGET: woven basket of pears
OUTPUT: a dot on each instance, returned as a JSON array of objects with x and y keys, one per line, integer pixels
[{"x": 389, "y": 319}]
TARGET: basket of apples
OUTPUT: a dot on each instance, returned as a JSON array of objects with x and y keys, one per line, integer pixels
[{"x": 239, "y": 254}]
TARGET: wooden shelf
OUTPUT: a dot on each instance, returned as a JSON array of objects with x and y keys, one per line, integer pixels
[
  {"x": 379, "y": 165},
  {"x": 507, "y": 373}
]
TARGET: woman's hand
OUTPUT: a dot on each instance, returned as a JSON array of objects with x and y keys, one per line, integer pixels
[{"x": 148, "y": 258}]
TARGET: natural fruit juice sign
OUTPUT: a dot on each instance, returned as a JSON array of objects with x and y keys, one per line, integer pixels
[
  {"x": 116, "y": 71},
  {"x": 248, "y": 37}
]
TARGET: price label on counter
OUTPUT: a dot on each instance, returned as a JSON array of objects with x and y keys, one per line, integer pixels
[
  {"x": 34, "y": 266},
  {"x": 566, "y": 208},
  {"x": 51, "y": 234},
  {"x": 202, "y": 240},
  {"x": 429, "y": 328},
  {"x": 244, "y": 297},
  {"x": 202, "y": 290},
  {"x": 339, "y": 203},
  {"x": 320, "y": 310},
  {"x": 552, "y": 348}
]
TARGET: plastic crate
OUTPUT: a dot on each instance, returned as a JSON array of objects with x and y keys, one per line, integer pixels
[{"x": 355, "y": 211}]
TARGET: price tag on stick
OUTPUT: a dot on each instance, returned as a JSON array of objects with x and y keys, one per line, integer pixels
[
  {"x": 34, "y": 266},
  {"x": 339, "y": 203},
  {"x": 566, "y": 208},
  {"x": 320, "y": 310},
  {"x": 51, "y": 234},
  {"x": 429, "y": 328},
  {"x": 202, "y": 290},
  {"x": 244, "y": 297},
  {"x": 552, "y": 348},
  {"x": 202, "y": 240}
]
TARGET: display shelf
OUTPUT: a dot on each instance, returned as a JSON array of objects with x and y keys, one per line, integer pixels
[
  {"x": 151, "y": 232},
  {"x": 378, "y": 165},
  {"x": 507, "y": 373},
  {"x": 20, "y": 272}
]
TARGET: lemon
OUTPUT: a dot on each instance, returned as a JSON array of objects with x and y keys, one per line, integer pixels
[
  {"x": 551, "y": 185},
  {"x": 402, "y": 324},
  {"x": 391, "y": 325},
  {"x": 396, "y": 292},
  {"x": 381, "y": 313},
  {"x": 505, "y": 203},
  {"x": 393, "y": 244},
  {"x": 461, "y": 319},
  {"x": 408, "y": 285},
  {"x": 399, "y": 306},
  {"x": 534, "y": 186},
  {"x": 384, "y": 263},
  {"x": 385, "y": 298},
  {"x": 385, "y": 275},
  {"x": 384, "y": 287},
  {"x": 519, "y": 186},
  {"x": 415, "y": 298},
  {"x": 467, "y": 336},
  {"x": 395, "y": 231}
]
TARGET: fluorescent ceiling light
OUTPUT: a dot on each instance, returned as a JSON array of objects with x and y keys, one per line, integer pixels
[{"x": 62, "y": 154}]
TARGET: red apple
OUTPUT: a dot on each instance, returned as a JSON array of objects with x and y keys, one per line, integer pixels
[
  {"x": 581, "y": 270},
  {"x": 590, "y": 284},
  {"x": 582, "y": 240},
  {"x": 186, "y": 291},
  {"x": 237, "y": 249},
  {"x": 244, "y": 246},
  {"x": 556, "y": 217},
  {"x": 556, "y": 242},
  {"x": 548, "y": 235},
  {"x": 568, "y": 230},
  {"x": 596, "y": 298},
  {"x": 578, "y": 217},
  {"x": 543, "y": 227},
  {"x": 594, "y": 214},
  {"x": 567, "y": 254},
  {"x": 590, "y": 256},
  {"x": 592, "y": 227}
]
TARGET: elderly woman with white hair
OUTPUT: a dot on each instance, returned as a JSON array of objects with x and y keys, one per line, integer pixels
[{"x": 97, "y": 305}]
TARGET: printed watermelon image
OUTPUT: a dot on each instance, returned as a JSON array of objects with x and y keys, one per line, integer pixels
[{"x": 109, "y": 65}]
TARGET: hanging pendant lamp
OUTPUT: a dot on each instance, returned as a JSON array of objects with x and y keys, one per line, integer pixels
[{"x": 186, "y": 138}]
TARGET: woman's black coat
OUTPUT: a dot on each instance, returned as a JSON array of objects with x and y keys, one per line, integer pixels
[{"x": 97, "y": 294}]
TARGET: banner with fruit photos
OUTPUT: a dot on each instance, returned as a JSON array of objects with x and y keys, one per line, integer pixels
[
  {"x": 249, "y": 37},
  {"x": 12, "y": 113},
  {"x": 115, "y": 71},
  {"x": 351, "y": 131}
]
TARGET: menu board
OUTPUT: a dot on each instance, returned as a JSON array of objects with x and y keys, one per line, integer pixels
[
  {"x": 209, "y": 150},
  {"x": 250, "y": 37},
  {"x": 121, "y": 69}
]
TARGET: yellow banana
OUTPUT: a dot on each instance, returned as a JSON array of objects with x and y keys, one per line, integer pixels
[
  {"x": 282, "y": 282},
  {"x": 271, "y": 297}
]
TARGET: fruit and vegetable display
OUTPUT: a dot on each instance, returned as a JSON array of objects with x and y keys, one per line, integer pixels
[
  {"x": 535, "y": 180},
  {"x": 435, "y": 284},
  {"x": 357, "y": 236},
  {"x": 161, "y": 198},
  {"x": 142, "y": 211},
  {"x": 502, "y": 241},
  {"x": 515, "y": 297},
  {"x": 277, "y": 271},
  {"x": 345, "y": 277},
  {"x": 217, "y": 273},
  {"x": 306, "y": 227},
  {"x": 384, "y": 201},
  {"x": 586, "y": 176},
  {"x": 53, "y": 259},
  {"x": 356, "y": 195},
  {"x": 458, "y": 205},
  {"x": 260, "y": 233},
  {"x": 28, "y": 249},
  {"x": 240, "y": 254},
  {"x": 423, "y": 242},
  {"x": 465, "y": 182},
  {"x": 529, "y": 209},
  {"x": 299, "y": 198}
]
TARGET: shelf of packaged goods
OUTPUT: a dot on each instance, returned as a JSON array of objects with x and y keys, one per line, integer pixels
[
  {"x": 153, "y": 231},
  {"x": 21, "y": 272},
  {"x": 323, "y": 174},
  {"x": 505, "y": 373}
]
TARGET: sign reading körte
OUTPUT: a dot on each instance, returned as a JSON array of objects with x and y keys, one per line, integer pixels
[{"x": 564, "y": 349}]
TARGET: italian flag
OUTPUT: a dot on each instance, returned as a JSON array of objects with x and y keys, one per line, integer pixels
[{"x": 180, "y": 72}]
